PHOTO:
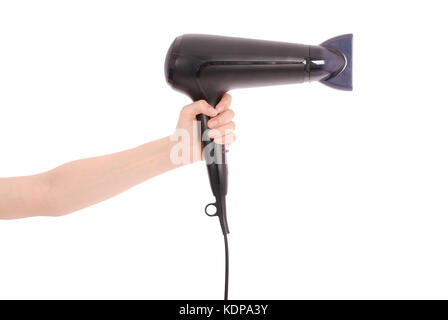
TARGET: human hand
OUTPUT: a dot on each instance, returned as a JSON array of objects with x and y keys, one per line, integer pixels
[{"x": 221, "y": 126}]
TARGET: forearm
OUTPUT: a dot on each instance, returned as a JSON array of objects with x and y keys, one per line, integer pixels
[{"x": 82, "y": 183}]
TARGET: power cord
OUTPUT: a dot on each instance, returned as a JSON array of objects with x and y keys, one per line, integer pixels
[
  {"x": 226, "y": 281},
  {"x": 226, "y": 246}
]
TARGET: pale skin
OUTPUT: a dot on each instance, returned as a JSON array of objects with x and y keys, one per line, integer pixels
[{"x": 82, "y": 183}]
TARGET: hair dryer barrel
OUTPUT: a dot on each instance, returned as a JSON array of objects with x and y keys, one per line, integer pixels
[{"x": 205, "y": 66}]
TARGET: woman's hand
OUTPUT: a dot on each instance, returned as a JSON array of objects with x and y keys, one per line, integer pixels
[{"x": 221, "y": 125}]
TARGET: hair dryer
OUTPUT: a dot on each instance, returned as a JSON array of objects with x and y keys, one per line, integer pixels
[{"x": 207, "y": 66}]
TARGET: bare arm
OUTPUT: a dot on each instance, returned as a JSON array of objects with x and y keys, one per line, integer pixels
[{"x": 82, "y": 183}]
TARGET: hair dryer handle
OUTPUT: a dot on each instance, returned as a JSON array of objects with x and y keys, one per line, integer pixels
[{"x": 216, "y": 160}]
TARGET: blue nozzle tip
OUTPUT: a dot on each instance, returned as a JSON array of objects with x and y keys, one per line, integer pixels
[{"x": 344, "y": 45}]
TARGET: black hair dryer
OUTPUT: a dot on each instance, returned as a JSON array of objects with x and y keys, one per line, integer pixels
[{"x": 206, "y": 66}]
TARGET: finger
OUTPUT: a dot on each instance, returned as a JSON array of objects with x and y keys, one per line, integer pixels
[
  {"x": 222, "y": 130},
  {"x": 228, "y": 139},
  {"x": 225, "y": 103},
  {"x": 221, "y": 119},
  {"x": 198, "y": 107}
]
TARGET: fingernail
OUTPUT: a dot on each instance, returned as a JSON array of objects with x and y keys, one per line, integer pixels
[
  {"x": 220, "y": 109},
  {"x": 212, "y": 123},
  {"x": 213, "y": 111}
]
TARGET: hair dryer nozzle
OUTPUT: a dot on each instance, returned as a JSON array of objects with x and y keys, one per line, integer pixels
[{"x": 343, "y": 45}]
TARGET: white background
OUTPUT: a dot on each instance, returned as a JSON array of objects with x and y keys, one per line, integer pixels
[{"x": 332, "y": 194}]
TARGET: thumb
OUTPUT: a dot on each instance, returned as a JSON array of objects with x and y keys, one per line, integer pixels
[{"x": 198, "y": 107}]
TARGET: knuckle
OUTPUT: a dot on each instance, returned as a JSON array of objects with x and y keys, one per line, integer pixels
[
  {"x": 185, "y": 109},
  {"x": 202, "y": 103},
  {"x": 227, "y": 96}
]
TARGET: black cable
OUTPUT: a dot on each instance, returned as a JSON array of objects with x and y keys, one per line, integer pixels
[{"x": 226, "y": 283}]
